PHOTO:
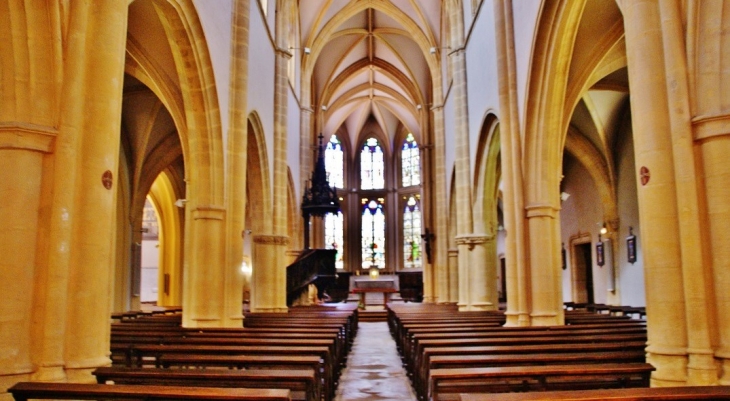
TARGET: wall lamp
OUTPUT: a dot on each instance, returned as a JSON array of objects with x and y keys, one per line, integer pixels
[
  {"x": 433, "y": 49},
  {"x": 180, "y": 202},
  {"x": 305, "y": 49}
]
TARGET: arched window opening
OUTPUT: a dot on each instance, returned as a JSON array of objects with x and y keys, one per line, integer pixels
[
  {"x": 150, "y": 254},
  {"x": 333, "y": 236},
  {"x": 373, "y": 233},
  {"x": 372, "y": 165},
  {"x": 334, "y": 162},
  {"x": 410, "y": 162},
  {"x": 412, "y": 233}
]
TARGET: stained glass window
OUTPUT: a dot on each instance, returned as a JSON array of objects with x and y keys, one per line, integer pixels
[
  {"x": 412, "y": 233},
  {"x": 373, "y": 234},
  {"x": 333, "y": 162},
  {"x": 410, "y": 162},
  {"x": 372, "y": 165},
  {"x": 333, "y": 235}
]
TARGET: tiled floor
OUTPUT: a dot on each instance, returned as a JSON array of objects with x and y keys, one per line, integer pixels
[{"x": 374, "y": 371}]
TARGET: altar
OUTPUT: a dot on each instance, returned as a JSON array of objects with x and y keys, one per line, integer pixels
[{"x": 364, "y": 285}]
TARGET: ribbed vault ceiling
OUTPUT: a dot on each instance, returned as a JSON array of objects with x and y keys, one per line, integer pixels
[{"x": 370, "y": 61}]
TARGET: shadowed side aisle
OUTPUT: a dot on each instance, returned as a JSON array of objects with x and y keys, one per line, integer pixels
[{"x": 374, "y": 371}]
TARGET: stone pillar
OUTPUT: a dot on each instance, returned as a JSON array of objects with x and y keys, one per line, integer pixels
[
  {"x": 517, "y": 276},
  {"x": 701, "y": 367},
  {"x": 204, "y": 278},
  {"x": 482, "y": 279},
  {"x": 93, "y": 81},
  {"x": 22, "y": 150},
  {"x": 660, "y": 240},
  {"x": 440, "y": 243},
  {"x": 237, "y": 160},
  {"x": 268, "y": 280},
  {"x": 545, "y": 272},
  {"x": 464, "y": 219},
  {"x": 269, "y": 253},
  {"x": 452, "y": 279}
]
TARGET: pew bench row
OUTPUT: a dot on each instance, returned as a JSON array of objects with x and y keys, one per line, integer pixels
[
  {"x": 24, "y": 391},
  {"x": 446, "y": 352}
]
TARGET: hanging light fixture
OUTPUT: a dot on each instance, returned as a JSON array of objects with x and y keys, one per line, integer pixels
[{"x": 319, "y": 197}]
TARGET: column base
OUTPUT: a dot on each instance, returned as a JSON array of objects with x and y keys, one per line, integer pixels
[
  {"x": 271, "y": 310},
  {"x": 80, "y": 371},
  {"x": 49, "y": 373},
  {"x": 517, "y": 319},
  {"x": 671, "y": 370},
  {"x": 547, "y": 319},
  {"x": 701, "y": 369}
]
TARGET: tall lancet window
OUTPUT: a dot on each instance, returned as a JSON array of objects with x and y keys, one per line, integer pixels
[
  {"x": 334, "y": 162},
  {"x": 372, "y": 165},
  {"x": 333, "y": 235},
  {"x": 373, "y": 233},
  {"x": 410, "y": 162},
  {"x": 412, "y": 233}
]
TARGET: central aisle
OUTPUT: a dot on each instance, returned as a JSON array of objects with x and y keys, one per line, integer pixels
[{"x": 374, "y": 371}]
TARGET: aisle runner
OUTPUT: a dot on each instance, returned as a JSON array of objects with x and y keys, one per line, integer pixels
[{"x": 374, "y": 371}]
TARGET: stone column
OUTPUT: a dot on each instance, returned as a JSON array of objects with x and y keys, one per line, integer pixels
[
  {"x": 545, "y": 272},
  {"x": 665, "y": 302},
  {"x": 517, "y": 276},
  {"x": 204, "y": 303},
  {"x": 23, "y": 148},
  {"x": 269, "y": 253},
  {"x": 93, "y": 79},
  {"x": 706, "y": 56},
  {"x": 237, "y": 160},
  {"x": 452, "y": 281},
  {"x": 482, "y": 281},
  {"x": 464, "y": 219},
  {"x": 268, "y": 282},
  {"x": 440, "y": 242},
  {"x": 701, "y": 368}
]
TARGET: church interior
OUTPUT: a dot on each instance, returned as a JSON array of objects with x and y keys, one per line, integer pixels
[{"x": 529, "y": 164}]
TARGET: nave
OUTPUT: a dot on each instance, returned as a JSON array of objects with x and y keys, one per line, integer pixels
[
  {"x": 323, "y": 352},
  {"x": 374, "y": 370}
]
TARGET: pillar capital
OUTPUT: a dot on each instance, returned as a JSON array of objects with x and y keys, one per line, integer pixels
[
  {"x": 705, "y": 127},
  {"x": 266, "y": 239},
  {"x": 208, "y": 212},
  {"x": 537, "y": 209},
  {"x": 472, "y": 240},
  {"x": 27, "y": 136}
]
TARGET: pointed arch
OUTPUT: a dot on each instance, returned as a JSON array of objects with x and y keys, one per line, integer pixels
[
  {"x": 488, "y": 176},
  {"x": 163, "y": 195},
  {"x": 203, "y": 135},
  {"x": 257, "y": 177}
]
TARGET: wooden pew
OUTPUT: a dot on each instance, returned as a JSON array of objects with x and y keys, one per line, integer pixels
[
  {"x": 249, "y": 362},
  {"x": 538, "y": 378},
  {"x": 695, "y": 393},
  {"x": 421, "y": 373},
  {"x": 240, "y": 341},
  {"x": 499, "y": 360},
  {"x": 24, "y": 391},
  {"x": 522, "y": 332},
  {"x": 296, "y": 381},
  {"x": 150, "y": 354},
  {"x": 419, "y": 362}
]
